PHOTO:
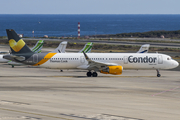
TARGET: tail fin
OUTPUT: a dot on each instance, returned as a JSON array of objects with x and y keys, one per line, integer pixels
[
  {"x": 144, "y": 48},
  {"x": 61, "y": 48},
  {"x": 87, "y": 48},
  {"x": 37, "y": 48},
  {"x": 17, "y": 45}
]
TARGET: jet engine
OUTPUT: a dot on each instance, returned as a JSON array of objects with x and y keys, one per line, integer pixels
[{"x": 115, "y": 70}]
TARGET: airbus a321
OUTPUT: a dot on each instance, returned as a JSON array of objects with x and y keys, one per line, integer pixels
[{"x": 107, "y": 63}]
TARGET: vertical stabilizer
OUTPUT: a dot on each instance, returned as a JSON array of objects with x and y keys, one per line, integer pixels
[
  {"x": 144, "y": 48},
  {"x": 37, "y": 48},
  {"x": 87, "y": 48},
  {"x": 17, "y": 44},
  {"x": 61, "y": 48}
]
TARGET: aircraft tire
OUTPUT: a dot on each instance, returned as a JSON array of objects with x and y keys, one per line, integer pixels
[
  {"x": 158, "y": 75},
  {"x": 89, "y": 74},
  {"x": 94, "y": 74}
]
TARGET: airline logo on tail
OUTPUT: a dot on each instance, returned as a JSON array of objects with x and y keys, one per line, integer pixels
[
  {"x": 16, "y": 46},
  {"x": 37, "y": 48},
  {"x": 87, "y": 48}
]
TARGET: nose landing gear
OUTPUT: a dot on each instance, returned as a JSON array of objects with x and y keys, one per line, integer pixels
[{"x": 158, "y": 74}]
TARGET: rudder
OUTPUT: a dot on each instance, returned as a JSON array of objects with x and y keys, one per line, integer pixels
[{"x": 17, "y": 44}]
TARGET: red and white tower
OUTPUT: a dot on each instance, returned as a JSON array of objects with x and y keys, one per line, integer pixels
[{"x": 78, "y": 29}]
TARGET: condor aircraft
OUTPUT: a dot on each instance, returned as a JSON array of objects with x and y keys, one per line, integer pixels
[{"x": 107, "y": 63}]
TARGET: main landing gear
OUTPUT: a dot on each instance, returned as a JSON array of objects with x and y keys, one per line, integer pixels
[
  {"x": 89, "y": 74},
  {"x": 158, "y": 74}
]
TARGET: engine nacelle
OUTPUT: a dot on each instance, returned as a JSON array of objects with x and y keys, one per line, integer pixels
[{"x": 115, "y": 70}]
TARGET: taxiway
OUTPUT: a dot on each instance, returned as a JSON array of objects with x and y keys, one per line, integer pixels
[{"x": 48, "y": 94}]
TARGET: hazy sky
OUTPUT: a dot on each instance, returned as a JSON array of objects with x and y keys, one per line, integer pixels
[{"x": 89, "y": 6}]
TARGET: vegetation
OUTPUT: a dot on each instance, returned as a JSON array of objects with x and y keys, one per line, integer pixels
[{"x": 150, "y": 34}]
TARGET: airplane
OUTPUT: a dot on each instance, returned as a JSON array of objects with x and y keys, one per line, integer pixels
[
  {"x": 107, "y": 63},
  {"x": 61, "y": 48},
  {"x": 87, "y": 48},
  {"x": 144, "y": 48},
  {"x": 39, "y": 45}
]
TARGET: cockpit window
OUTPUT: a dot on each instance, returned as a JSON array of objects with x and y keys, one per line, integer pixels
[{"x": 168, "y": 58}]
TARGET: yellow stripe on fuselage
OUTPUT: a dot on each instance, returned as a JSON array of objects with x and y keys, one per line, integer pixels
[{"x": 45, "y": 59}]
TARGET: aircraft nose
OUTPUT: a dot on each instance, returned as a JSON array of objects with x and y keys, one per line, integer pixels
[{"x": 176, "y": 64}]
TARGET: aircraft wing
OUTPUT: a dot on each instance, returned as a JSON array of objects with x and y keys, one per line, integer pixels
[{"x": 95, "y": 65}]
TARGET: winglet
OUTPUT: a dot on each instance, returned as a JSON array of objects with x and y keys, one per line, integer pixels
[{"x": 87, "y": 58}]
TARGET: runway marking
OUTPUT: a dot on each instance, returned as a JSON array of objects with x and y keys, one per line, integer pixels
[
  {"x": 5, "y": 109},
  {"x": 19, "y": 117},
  {"x": 166, "y": 91},
  {"x": 100, "y": 117},
  {"x": 12, "y": 102}
]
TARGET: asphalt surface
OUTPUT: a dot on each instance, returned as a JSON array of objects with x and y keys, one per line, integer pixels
[{"x": 48, "y": 94}]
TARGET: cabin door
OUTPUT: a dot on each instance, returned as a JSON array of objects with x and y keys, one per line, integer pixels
[
  {"x": 160, "y": 59},
  {"x": 125, "y": 60},
  {"x": 82, "y": 59},
  {"x": 35, "y": 58}
]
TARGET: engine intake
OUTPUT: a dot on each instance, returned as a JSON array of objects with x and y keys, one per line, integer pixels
[{"x": 115, "y": 70}]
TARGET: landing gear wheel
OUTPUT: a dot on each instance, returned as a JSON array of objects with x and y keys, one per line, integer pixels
[
  {"x": 12, "y": 66},
  {"x": 94, "y": 74},
  {"x": 158, "y": 75},
  {"x": 61, "y": 70},
  {"x": 89, "y": 74}
]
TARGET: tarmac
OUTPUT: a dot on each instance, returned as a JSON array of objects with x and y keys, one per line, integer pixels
[{"x": 28, "y": 93}]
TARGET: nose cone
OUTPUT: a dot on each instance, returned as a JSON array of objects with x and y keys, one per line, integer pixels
[{"x": 175, "y": 64}]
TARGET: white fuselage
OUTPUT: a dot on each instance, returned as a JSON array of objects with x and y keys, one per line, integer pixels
[{"x": 127, "y": 60}]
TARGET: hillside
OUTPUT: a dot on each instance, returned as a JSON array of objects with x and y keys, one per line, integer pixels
[{"x": 150, "y": 34}]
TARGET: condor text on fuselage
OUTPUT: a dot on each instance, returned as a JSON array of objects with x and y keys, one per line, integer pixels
[{"x": 146, "y": 59}]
